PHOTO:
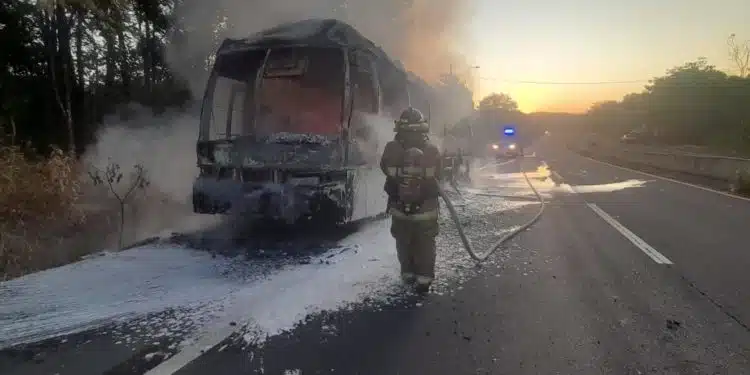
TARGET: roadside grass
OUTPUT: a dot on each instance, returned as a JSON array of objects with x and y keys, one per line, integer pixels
[
  {"x": 55, "y": 209},
  {"x": 741, "y": 185},
  {"x": 38, "y": 195}
]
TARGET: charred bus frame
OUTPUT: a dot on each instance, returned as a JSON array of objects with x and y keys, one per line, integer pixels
[{"x": 297, "y": 176}]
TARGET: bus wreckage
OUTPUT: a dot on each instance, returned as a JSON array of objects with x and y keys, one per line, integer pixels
[{"x": 284, "y": 131}]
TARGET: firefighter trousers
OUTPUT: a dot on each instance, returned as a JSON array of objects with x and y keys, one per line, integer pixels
[{"x": 415, "y": 244}]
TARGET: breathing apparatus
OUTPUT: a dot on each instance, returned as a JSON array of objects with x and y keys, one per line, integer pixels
[
  {"x": 413, "y": 123},
  {"x": 410, "y": 184},
  {"x": 411, "y": 130}
]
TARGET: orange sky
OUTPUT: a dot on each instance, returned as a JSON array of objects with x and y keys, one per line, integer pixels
[{"x": 591, "y": 40}]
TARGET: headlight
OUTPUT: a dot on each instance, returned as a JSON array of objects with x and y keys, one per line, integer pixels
[
  {"x": 512, "y": 147},
  {"x": 495, "y": 147}
]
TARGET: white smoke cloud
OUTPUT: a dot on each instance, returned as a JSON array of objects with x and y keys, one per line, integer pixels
[
  {"x": 420, "y": 33},
  {"x": 423, "y": 34}
]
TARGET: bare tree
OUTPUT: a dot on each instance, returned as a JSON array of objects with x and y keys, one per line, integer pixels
[
  {"x": 111, "y": 176},
  {"x": 739, "y": 53}
]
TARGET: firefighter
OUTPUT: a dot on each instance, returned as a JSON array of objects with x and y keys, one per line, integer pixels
[{"x": 412, "y": 165}]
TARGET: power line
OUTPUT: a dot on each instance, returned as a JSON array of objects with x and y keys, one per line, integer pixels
[
  {"x": 669, "y": 83},
  {"x": 565, "y": 83}
]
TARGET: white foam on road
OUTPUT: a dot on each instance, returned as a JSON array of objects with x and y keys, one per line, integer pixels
[
  {"x": 120, "y": 286},
  {"x": 278, "y": 303},
  {"x": 108, "y": 288},
  {"x": 610, "y": 187},
  {"x": 208, "y": 294}
]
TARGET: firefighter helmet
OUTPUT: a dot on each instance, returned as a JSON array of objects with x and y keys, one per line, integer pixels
[{"x": 412, "y": 120}]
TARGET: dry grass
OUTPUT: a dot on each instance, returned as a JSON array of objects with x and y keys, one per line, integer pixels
[
  {"x": 37, "y": 196},
  {"x": 741, "y": 183},
  {"x": 52, "y": 213}
]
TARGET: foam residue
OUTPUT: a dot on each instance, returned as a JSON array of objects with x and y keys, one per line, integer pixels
[
  {"x": 168, "y": 291},
  {"x": 299, "y": 138},
  {"x": 610, "y": 187}
]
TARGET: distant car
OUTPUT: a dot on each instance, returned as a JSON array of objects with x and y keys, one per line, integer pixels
[
  {"x": 628, "y": 138},
  {"x": 505, "y": 150}
]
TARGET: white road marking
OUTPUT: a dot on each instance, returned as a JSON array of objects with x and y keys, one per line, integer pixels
[
  {"x": 670, "y": 180},
  {"x": 632, "y": 237},
  {"x": 187, "y": 354}
]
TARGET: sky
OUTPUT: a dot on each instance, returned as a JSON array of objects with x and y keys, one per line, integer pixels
[{"x": 593, "y": 40}]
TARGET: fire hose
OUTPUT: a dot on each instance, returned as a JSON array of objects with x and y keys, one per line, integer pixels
[{"x": 481, "y": 257}]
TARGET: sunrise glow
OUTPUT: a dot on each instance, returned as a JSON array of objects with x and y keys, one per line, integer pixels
[{"x": 593, "y": 41}]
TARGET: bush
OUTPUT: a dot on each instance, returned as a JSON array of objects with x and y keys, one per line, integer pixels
[
  {"x": 34, "y": 194},
  {"x": 122, "y": 191},
  {"x": 741, "y": 183}
]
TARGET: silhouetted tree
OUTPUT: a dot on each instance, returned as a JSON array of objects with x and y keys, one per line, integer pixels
[
  {"x": 739, "y": 53},
  {"x": 693, "y": 103},
  {"x": 501, "y": 102}
]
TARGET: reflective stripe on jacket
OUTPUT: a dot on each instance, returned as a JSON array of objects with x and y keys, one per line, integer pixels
[{"x": 421, "y": 216}]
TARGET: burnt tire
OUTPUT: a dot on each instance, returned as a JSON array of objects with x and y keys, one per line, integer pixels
[{"x": 326, "y": 211}]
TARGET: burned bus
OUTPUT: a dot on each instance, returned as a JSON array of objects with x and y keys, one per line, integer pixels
[{"x": 286, "y": 130}]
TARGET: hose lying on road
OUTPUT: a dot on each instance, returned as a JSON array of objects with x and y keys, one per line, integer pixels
[{"x": 481, "y": 257}]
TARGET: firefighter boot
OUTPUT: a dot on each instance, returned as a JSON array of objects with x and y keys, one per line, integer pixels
[
  {"x": 422, "y": 284},
  {"x": 408, "y": 277}
]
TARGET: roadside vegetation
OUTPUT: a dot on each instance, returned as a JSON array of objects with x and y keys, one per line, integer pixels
[
  {"x": 66, "y": 65},
  {"x": 694, "y": 106},
  {"x": 37, "y": 194}
]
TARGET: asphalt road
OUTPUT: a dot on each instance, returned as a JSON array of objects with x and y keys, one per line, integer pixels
[{"x": 625, "y": 273}]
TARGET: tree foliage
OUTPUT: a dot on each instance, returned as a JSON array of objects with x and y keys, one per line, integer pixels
[
  {"x": 495, "y": 111},
  {"x": 66, "y": 64},
  {"x": 499, "y": 102},
  {"x": 693, "y": 103}
]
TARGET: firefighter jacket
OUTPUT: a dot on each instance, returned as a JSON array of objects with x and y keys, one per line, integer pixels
[{"x": 392, "y": 165}]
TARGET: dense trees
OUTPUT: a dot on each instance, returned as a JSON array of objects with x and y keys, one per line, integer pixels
[
  {"x": 500, "y": 102},
  {"x": 66, "y": 64},
  {"x": 691, "y": 104}
]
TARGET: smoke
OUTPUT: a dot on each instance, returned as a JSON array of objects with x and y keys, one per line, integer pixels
[
  {"x": 380, "y": 130},
  {"x": 422, "y": 34},
  {"x": 165, "y": 147}
]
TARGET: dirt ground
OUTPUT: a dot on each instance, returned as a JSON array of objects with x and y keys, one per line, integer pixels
[{"x": 64, "y": 241}]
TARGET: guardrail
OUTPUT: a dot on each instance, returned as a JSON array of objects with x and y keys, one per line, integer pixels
[{"x": 734, "y": 170}]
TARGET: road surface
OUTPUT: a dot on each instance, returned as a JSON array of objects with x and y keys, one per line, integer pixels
[{"x": 625, "y": 273}]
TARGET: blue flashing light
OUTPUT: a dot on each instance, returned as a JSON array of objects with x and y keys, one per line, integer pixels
[{"x": 509, "y": 130}]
